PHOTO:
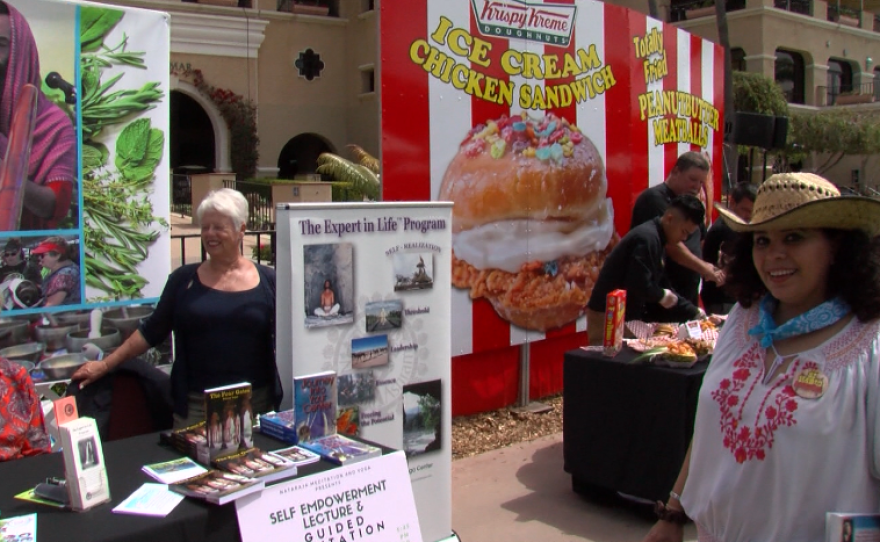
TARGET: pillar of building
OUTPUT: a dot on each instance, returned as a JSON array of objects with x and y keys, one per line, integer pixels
[
  {"x": 761, "y": 63},
  {"x": 820, "y": 9},
  {"x": 815, "y": 83}
]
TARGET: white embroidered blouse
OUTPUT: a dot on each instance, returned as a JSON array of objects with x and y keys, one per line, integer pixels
[{"x": 767, "y": 464}]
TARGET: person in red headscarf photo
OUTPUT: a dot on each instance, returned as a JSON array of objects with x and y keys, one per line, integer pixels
[{"x": 51, "y": 169}]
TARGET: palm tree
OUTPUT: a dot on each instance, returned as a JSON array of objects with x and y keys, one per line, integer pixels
[{"x": 362, "y": 175}]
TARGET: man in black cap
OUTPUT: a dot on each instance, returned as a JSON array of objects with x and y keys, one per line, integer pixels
[{"x": 15, "y": 263}]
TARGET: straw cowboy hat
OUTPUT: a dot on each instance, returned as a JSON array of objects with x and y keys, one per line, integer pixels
[{"x": 804, "y": 200}]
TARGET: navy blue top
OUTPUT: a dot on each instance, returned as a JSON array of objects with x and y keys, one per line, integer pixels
[{"x": 220, "y": 338}]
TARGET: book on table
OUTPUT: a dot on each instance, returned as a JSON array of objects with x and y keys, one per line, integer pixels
[
  {"x": 256, "y": 464},
  {"x": 191, "y": 441},
  {"x": 172, "y": 471},
  {"x": 341, "y": 450},
  {"x": 314, "y": 400},
  {"x": 217, "y": 487},
  {"x": 279, "y": 425},
  {"x": 229, "y": 419},
  {"x": 298, "y": 455}
]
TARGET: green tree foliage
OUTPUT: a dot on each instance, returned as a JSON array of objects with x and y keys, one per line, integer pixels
[
  {"x": 828, "y": 135},
  {"x": 363, "y": 176},
  {"x": 757, "y": 93}
]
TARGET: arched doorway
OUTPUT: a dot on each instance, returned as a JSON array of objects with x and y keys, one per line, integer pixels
[
  {"x": 300, "y": 155},
  {"x": 192, "y": 136}
]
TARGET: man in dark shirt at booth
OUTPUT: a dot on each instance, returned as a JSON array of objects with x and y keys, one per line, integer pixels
[
  {"x": 684, "y": 263},
  {"x": 719, "y": 245},
  {"x": 636, "y": 265}
]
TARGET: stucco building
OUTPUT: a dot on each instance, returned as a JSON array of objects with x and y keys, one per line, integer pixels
[{"x": 311, "y": 68}]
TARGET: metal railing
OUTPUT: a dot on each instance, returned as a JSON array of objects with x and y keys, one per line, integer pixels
[
  {"x": 835, "y": 12},
  {"x": 181, "y": 194},
  {"x": 256, "y": 255},
  {"x": 804, "y": 7},
  {"x": 261, "y": 215},
  {"x": 678, "y": 10},
  {"x": 848, "y": 94}
]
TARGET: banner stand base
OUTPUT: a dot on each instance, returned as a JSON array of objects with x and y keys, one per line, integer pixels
[
  {"x": 452, "y": 538},
  {"x": 534, "y": 407}
]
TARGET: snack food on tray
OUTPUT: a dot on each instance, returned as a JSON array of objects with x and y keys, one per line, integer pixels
[
  {"x": 679, "y": 352},
  {"x": 643, "y": 345},
  {"x": 665, "y": 330},
  {"x": 532, "y": 223}
]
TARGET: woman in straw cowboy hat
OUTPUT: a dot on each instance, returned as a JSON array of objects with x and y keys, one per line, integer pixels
[{"x": 788, "y": 419}]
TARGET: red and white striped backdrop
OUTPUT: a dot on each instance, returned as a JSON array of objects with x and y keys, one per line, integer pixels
[{"x": 425, "y": 119}]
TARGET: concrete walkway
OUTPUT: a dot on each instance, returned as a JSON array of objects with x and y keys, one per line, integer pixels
[{"x": 521, "y": 493}]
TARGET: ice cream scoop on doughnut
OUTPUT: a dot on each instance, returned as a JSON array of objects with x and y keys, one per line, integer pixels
[{"x": 531, "y": 223}]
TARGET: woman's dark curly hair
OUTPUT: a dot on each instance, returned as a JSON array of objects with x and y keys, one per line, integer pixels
[{"x": 854, "y": 275}]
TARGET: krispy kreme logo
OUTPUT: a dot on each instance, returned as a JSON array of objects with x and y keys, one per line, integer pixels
[{"x": 544, "y": 23}]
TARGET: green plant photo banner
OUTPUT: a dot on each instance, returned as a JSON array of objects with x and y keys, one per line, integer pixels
[{"x": 84, "y": 182}]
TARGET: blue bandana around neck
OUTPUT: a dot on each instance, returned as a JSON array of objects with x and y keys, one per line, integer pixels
[{"x": 818, "y": 317}]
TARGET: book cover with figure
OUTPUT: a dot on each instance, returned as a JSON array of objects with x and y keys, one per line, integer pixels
[
  {"x": 217, "y": 487},
  {"x": 257, "y": 464},
  {"x": 229, "y": 418},
  {"x": 341, "y": 450},
  {"x": 314, "y": 411}
]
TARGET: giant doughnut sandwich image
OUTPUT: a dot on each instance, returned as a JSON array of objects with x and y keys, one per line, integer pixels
[{"x": 532, "y": 225}]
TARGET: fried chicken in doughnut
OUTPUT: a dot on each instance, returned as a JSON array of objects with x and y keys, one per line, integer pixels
[{"x": 532, "y": 225}]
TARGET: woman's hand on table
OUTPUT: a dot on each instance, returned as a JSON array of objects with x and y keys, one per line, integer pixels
[
  {"x": 665, "y": 531},
  {"x": 90, "y": 372}
]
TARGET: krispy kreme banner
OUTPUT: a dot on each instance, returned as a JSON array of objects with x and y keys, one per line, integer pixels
[{"x": 542, "y": 122}]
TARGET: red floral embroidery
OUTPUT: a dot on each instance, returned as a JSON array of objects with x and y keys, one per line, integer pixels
[{"x": 752, "y": 442}]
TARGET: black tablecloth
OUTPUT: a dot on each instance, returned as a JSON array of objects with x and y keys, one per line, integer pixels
[
  {"x": 626, "y": 426},
  {"x": 190, "y": 521}
]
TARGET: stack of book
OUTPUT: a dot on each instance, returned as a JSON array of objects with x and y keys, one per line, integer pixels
[
  {"x": 279, "y": 425},
  {"x": 255, "y": 464},
  {"x": 217, "y": 487},
  {"x": 191, "y": 441}
]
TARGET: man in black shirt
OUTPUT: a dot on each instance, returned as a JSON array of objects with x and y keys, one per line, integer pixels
[
  {"x": 636, "y": 265},
  {"x": 719, "y": 245},
  {"x": 684, "y": 263}
]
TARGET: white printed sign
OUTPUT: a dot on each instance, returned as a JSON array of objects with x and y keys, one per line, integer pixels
[{"x": 370, "y": 501}]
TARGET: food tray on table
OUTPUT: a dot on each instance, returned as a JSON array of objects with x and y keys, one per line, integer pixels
[{"x": 668, "y": 345}]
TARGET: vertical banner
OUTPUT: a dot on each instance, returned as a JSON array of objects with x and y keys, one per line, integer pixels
[
  {"x": 84, "y": 186},
  {"x": 364, "y": 290},
  {"x": 542, "y": 122}
]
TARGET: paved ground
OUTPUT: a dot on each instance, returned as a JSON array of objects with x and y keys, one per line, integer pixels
[{"x": 521, "y": 493}]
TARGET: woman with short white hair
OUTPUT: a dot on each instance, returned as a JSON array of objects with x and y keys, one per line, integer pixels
[{"x": 222, "y": 312}]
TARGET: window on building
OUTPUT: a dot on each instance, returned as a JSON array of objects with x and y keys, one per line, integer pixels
[
  {"x": 309, "y": 64},
  {"x": 368, "y": 5},
  {"x": 368, "y": 78},
  {"x": 839, "y": 78},
  {"x": 738, "y": 59},
  {"x": 789, "y": 73}
]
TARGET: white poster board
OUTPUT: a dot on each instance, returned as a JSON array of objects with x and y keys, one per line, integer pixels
[
  {"x": 385, "y": 329},
  {"x": 371, "y": 500}
]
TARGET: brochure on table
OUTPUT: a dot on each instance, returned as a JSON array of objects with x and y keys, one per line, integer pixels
[
  {"x": 364, "y": 290},
  {"x": 364, "y": 501}
]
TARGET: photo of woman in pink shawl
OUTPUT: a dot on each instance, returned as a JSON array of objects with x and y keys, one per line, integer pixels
[{"x": 52, "y": 162}]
